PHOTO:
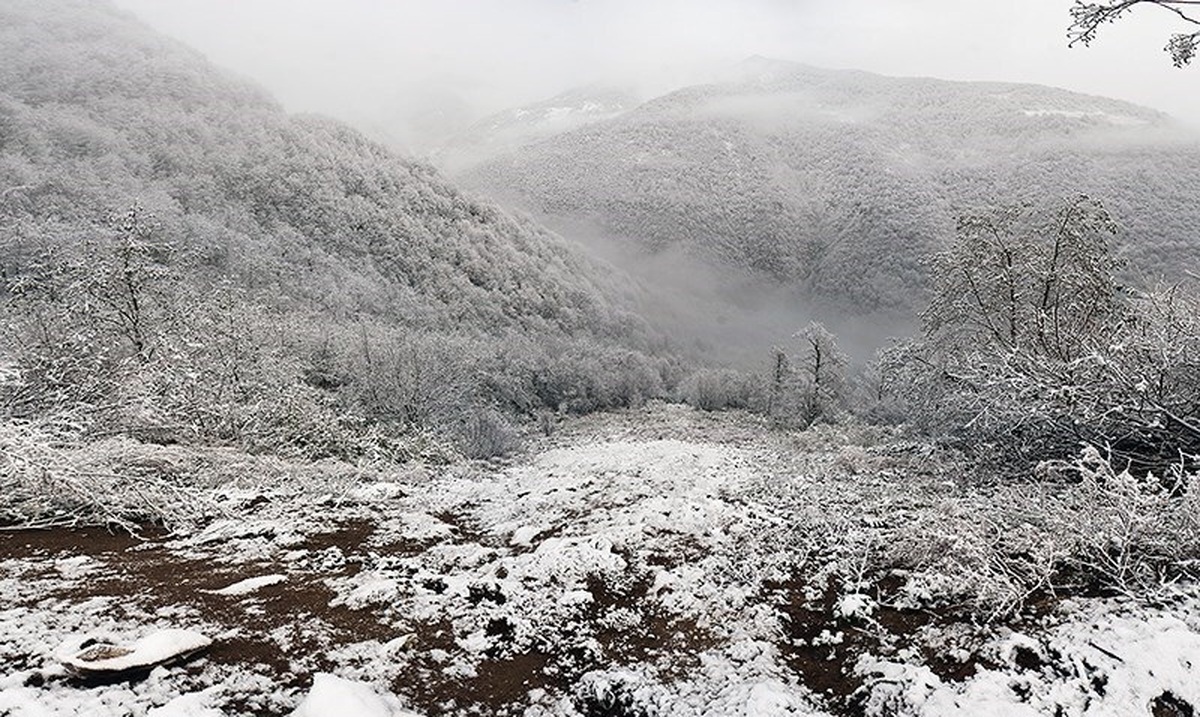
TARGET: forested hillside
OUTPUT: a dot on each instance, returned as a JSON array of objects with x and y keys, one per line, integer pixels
[
  {"x": 162, "y": 221},
  {"x": 98, "y": 113},
  {"x": 840, "y": 181}
]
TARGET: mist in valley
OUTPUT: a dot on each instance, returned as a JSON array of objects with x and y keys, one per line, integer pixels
[
  {"x": 599, "y": 358},
  {"x": 430, "y": 78}
]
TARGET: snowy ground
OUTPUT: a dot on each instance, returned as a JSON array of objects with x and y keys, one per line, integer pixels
[{"x": 659, "y": 562}]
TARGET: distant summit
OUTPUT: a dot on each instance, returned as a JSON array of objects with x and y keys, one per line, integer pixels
[
  {"x": 838, "y": 182},
  {"x": 511, "y": 129}
]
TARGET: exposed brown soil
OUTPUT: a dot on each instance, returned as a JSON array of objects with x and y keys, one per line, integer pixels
[
  {"x": 93, "y": 541},
  {"x": 349, "y": 537},
  {"x": 146, "y": 573},
  {"x": 826, "y": 665}
]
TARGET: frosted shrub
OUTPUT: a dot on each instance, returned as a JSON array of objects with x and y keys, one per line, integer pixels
[
  {"x": 1109, "y": 532},
  {"x": 47, "y": 479},
  {"x": 1126, "y": 534},
  {"x": 993, "y": 560},
  {"x": 485, "y": 433},
  {"x": 718, "y": 389}
]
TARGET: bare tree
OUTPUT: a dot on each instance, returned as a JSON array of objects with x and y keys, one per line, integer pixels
[
  {"x": 1031, "y": 347},
  {"x": 1088, "y": 17}
]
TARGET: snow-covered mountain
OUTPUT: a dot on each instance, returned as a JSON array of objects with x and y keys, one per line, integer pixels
[
  {"x": 98, "y": 113},
  {"x": 841, "y": 181}
]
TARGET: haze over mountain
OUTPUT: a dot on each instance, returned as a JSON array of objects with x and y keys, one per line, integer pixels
[
  {"x": 841, "y": 181},
  {"x": 97, "y": 113},
  {"x": 511, "y": 129}
]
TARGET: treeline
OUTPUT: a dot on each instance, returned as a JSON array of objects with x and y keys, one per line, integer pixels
[
  {"x": 1033, "y": 348},
  {"x": 117, "y": 336}
]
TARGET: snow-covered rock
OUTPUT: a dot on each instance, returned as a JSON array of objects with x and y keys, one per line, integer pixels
[
  {"x": 157, "y": 648},
  {"x": 249, "y": 585},
  {"x": 332, "y": 696}
]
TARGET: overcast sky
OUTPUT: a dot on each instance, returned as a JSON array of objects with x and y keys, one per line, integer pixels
[{"x": 368, "y": 58}]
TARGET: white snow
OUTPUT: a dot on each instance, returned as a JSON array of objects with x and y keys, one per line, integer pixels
[
  {"x": 854, "y": 605},
  {"x": 196, "y": 704},
  {"x": 332, "y": 696},
  {"x": 77, "y": 566},
  {"x": 1110, "y": 660},
  {"x": 524, "y": 535},
  {"x": 153, "y": 649},
  {"x": 249, "y": 585}
]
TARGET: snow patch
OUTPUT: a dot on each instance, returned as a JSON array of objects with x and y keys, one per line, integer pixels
[
  {"x": 332, "y": 696},
  {"x": 249, "y": 585}
]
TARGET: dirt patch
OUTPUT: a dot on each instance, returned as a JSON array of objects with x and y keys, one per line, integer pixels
[
  {"x": 284, "y": 630},
  {"x": 93, "y": 541},
  {"x": 621, "y": 625},
  {"x": 823, "y": 648},
  {"x": 685, "y": 550},
  {"x": 631, "y": 629},
  {"x": 465, "y": 531},
  {"x": 349, "y": 537}
]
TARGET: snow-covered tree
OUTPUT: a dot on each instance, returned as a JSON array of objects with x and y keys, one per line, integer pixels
[
  {"x": 1031, "y": 346},
  {"x": 1088, "y": 17},
  {"x": 822, "y": 374},
  {"x": 1033, "y": 278}
]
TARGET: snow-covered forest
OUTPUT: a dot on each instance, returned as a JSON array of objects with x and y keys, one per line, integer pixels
[{"x": 789, "y": 391}]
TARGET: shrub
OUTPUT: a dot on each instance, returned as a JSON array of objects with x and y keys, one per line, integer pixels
[
  {"x": 1102, "y": 532},
  {"x": 484, "y": 434},
  {"x": 49, "y": 478},
  {"x": 718, "y": 390}
]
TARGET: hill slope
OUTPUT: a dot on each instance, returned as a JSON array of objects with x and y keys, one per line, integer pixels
[
  {"x": 97, "y": 113},
  {"x": 840, "y": 181},
  {"x": 183, "y": 262}
]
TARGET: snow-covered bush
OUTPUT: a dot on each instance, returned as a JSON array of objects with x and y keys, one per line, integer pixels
[
  {"x": 1032, "y": 346},
  {"x": 1105, "y": 531},
  {"x": 485, "y": 434},
  {"x": 1126, "y": 534},
  {"x": 49, "y": 478},
  {"x": 719, "y": 389}
]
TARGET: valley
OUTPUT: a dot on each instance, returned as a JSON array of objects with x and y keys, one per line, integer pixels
[{"x": 738, "y": 388}]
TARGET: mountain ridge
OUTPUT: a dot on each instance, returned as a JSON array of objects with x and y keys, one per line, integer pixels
[
  {"x": 97, "y": 113},
  {"x": 841, "y": 181}
]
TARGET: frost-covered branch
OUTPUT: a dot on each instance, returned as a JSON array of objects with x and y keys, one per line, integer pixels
[{"x": 1088, "y": 17}]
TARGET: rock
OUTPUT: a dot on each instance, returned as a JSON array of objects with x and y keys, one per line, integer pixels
[
  {"x": 1169, "y": 705},
  {"x": 249, "y": 585},
  {"x": 159, "y": 648}
]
